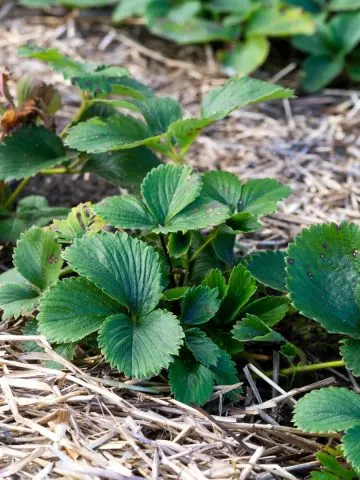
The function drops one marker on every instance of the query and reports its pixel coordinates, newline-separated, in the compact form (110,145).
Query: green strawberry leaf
(167,190)
(199,305)
(246,56)
(328,410)
(37,258)
(129,8)
(225,372)
(141,348)
(319,70)
(333,465)
(185,131)
(215,279)
(224,244)
(125,211)
(253,329)
(159,113)
(28,151)
(191,383)
(127,269)
(17,299)
(243,222)
(98,84)
(202,347)
(345,31)
(351,446)
(271,310)
(126,168)
(240,289)
(179,244)
(323,276)
(240,92)
(268,268)
(224,187)
(72,309)
(350,351)
(260,197)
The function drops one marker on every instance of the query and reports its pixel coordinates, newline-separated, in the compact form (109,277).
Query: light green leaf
(199,305)
(37,257)
(202,347)
(99,135)
(260,197)
(323,276)
(224,187)
(159,113)
(185,131)
(28,151)
(191,383)
(173,294)
(253,329)
(245,57)
(338,5)
(240,289)
(125,168)
(16,299)
(350,351)
(12,276)
(280,22)
(328,410)
(333,465)
(167,190)
(215,279)
(351,446)
(320,70)
(141,348)
(268,267)
(125,211)
(129,8)
(126,268)
(72,309)
(240,92)
(271,310)
(179,244)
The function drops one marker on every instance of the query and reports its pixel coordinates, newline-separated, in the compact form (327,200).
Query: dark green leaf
(271,310)
(159,113)
(260,197)
(125,211)
(224,187)
(268,267)
(215,279)
(253,329)
(224,244)
(202,347)
(345,30)
(199,305)
(179,244)
(319,70)
(350,351)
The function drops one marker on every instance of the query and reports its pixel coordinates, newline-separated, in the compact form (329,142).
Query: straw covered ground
(86,421)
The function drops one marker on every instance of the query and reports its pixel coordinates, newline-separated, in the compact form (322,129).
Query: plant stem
(310,368)
(168,259)
(16,192)
(55,171)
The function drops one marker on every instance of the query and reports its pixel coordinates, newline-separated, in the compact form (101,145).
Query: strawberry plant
(121,131)
(150,296)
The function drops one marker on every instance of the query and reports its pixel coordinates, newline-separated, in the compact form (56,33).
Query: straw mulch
(86,422)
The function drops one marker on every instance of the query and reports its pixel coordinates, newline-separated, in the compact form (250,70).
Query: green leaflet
(271,310)
(253,329)
(268,267)
(72,309)
(159,113)
(351,446)
(28,151)
(319,70)
(350,351)
(17,299)
(246,56)
(179,244)
(126,269)
(323,275)
(224,187)
(202,347)
(191,383)
(260,197)
(215,279)
(143,347)
(199,305)
(328,410)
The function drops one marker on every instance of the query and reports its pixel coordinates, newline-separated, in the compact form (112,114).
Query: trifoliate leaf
(141,347)
(16,299)
(240,92)
(328,410)
(179,244)
(199,305)
(323,276)
(253,329)
(240,289)
(260,197)
(215,279)
(126,268)
(125,211)
(37,257)
(167,190)
(28,151)
(125,168)
(159,113)
(351,446)
(72,309)
(271,310)
(99,135)
(81,220)
(224,187)
(268,268)
(191,383)
(202,347)
(350,351)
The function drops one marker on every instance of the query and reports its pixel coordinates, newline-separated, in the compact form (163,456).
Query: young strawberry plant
(121,131)
(323,282)
(137,292)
